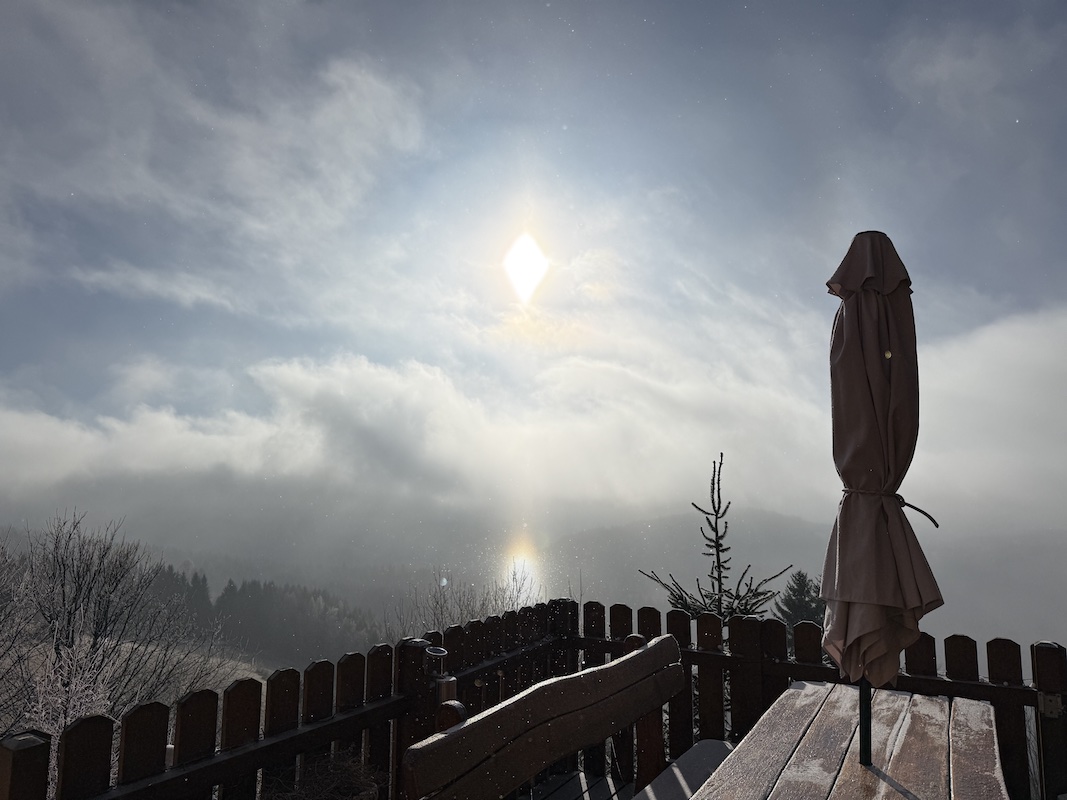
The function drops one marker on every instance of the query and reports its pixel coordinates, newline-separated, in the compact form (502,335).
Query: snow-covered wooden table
(806,746)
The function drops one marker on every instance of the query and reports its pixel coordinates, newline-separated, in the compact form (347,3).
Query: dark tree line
(286,625)
(278,625)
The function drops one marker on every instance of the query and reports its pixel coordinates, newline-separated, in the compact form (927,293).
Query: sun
(526,266)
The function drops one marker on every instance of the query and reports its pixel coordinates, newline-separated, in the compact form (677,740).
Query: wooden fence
(382,702)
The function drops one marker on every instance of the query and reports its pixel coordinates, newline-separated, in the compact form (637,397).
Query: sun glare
(526,266)
(520,561)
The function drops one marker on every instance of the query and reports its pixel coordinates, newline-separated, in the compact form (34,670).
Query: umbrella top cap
(871,264)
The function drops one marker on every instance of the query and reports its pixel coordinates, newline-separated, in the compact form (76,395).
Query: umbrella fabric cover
(876,581)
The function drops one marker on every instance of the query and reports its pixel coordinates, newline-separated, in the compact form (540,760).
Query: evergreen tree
(800,601)
(747,597)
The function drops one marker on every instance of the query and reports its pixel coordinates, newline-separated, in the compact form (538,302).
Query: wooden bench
(497,751)
(806,745)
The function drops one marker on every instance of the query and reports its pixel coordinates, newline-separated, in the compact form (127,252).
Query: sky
(252,291)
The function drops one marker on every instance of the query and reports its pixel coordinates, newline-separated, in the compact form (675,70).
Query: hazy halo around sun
(526,266)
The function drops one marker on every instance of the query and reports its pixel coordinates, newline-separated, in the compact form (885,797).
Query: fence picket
(351,669)
(455,642)
(563,622)
(412,681)
(774,645)
(746,684)
(649,622)
(961,658)
(621,626)
(24,766)
(475,697)
(620,621)
(594,626)
(1006,669)
(807,643)
(594,620)
(1049,662)
(240,726)
(84,766)
(143,742)
(194,729)
(680,707)
(281,713)
(921,657)
(711,700)
(380,686)
(511,680)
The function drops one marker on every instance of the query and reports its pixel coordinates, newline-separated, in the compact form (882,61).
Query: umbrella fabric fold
(876,581)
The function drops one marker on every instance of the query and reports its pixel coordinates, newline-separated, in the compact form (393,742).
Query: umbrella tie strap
(899,498)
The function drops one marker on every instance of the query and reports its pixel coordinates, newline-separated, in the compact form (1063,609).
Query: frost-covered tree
(95,631)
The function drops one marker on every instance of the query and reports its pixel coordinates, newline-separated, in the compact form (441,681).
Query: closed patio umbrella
(876,581)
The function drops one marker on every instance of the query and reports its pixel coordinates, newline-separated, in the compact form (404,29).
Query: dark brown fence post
(649,622)
(316,704)
(961,658)
(84,765)
(620,626)
(143,742)
(1006,669)
(651,755)
(24,766)
(807,643)
(1050,678)
(511,680)
(379,687)
(594,621)
(680,707)
(412,680)
(494,646)
(774,644)
(620,621)
(476,697)
(594,627)
(195,720)
(351,675)
(711,702)
(240,726)
(281,714)
(746,678)
(563,623)
(921,657)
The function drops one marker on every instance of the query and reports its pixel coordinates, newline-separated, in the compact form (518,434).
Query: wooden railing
(384,701)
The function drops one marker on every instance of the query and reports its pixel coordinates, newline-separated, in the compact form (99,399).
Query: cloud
(970,73)
(605,422)
(991,443)
(231,191)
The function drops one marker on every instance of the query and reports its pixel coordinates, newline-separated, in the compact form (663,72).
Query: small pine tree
(747,597)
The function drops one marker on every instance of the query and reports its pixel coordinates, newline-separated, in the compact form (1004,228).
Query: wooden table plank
(813,769)
(974,758)
(888,711)
(750,772)
(920,761)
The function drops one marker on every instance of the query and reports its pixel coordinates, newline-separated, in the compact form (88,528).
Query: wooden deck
(805,746)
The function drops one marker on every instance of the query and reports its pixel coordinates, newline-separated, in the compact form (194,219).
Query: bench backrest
(498,750)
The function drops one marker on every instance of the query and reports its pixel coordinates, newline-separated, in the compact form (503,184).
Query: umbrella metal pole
(865,722)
